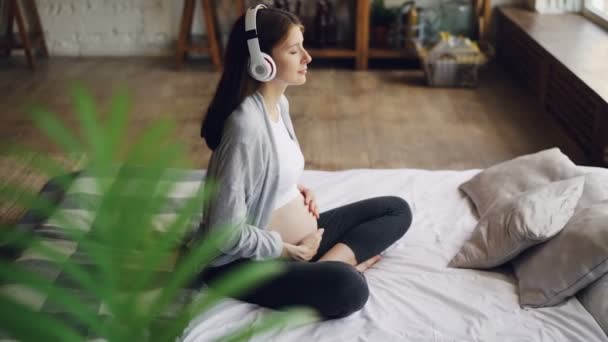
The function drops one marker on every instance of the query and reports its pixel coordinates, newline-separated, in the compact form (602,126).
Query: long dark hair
(236,84)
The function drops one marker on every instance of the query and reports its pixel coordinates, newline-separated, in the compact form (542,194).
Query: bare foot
(362,267)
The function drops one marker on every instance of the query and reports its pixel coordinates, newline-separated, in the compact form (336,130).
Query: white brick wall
(112,27)
(130,27)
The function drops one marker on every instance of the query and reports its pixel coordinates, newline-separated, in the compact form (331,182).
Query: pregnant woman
(256,165)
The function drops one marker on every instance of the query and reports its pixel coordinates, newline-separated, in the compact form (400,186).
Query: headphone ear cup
(251,70)
(271,67)
(263,72)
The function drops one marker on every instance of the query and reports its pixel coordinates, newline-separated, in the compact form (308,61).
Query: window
(597,10)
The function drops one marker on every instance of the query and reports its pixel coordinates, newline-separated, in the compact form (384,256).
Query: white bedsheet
(413,295)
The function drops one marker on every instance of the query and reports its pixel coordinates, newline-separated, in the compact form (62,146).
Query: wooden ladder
(187,43)
(29,35)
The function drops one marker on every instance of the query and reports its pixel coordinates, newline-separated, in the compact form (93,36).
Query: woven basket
(460,70)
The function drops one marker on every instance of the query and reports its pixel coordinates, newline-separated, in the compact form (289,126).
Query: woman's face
(291,58)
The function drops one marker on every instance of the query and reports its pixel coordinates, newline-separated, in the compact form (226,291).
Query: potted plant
(119,280)
(381,20)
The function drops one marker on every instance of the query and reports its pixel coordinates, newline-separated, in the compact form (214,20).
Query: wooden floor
(344,119)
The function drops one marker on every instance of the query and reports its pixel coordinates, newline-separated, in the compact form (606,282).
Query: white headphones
(261,66)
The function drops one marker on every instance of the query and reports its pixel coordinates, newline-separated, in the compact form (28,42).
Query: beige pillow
(513,225)
(508,179)
(576,257)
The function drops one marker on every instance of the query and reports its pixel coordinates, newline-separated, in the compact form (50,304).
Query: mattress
(413,295)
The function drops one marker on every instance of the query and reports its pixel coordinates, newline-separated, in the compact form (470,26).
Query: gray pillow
(507,179)
(595,296)
(595,300)
(577,256)
(513,225)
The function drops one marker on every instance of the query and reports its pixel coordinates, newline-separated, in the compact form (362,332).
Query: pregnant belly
(293,221)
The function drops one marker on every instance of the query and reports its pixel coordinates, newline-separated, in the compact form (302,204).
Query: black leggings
(335,289)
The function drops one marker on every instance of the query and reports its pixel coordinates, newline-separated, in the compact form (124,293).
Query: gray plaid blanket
(79,202)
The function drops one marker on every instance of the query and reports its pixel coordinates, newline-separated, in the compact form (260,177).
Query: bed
(413,295)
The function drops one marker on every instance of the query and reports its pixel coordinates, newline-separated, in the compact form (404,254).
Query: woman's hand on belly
(309,200)
(307,249)
(293,221)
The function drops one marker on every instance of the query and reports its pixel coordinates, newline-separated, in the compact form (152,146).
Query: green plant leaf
(243,277)
(93,132)
(17,321)
(188,267)
(56,295)
(117,121)
(118,237)
(175,233)
(55,130)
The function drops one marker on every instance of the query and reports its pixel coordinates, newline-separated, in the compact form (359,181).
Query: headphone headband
(250,18)
(261,66)
(251,34)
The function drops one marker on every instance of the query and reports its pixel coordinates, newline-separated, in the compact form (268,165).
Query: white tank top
(291,163)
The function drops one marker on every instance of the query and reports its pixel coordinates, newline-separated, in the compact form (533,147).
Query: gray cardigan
(245,170)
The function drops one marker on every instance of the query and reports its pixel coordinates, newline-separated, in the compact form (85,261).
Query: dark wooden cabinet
(558,59)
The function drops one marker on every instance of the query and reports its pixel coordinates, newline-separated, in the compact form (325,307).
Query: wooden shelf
(392,53)
(362,52)
(359,52)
